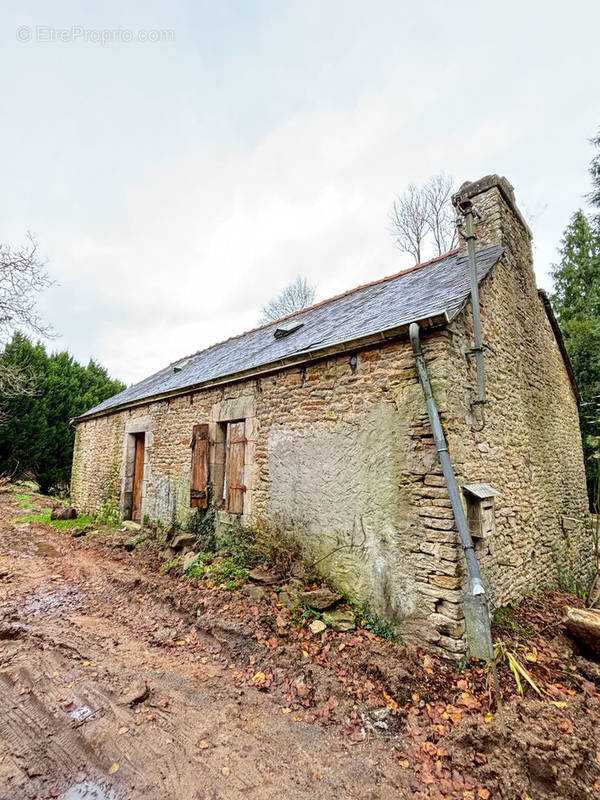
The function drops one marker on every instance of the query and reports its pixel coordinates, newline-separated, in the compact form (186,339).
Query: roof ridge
(320,303)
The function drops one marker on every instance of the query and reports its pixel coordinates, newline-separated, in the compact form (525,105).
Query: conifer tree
(36,438)
(576,301)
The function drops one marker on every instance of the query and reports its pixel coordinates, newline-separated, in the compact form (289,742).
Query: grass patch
(225,571)
(228,572)
(504,620)
(60,524)
(25,501)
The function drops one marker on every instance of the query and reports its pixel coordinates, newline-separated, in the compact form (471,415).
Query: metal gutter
(435,322)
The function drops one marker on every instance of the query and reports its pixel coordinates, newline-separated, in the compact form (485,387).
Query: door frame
(132,427)
(137,492)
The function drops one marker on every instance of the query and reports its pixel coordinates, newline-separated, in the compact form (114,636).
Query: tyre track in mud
(83,688)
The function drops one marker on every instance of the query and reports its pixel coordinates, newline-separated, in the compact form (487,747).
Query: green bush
(378,626)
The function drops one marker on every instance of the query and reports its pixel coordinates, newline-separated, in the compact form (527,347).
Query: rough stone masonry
(338,453)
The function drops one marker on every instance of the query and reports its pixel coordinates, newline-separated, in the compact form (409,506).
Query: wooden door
(199,476)
(138,477)
(234,471)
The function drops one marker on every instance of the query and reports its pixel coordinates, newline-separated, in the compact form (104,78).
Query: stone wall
(340,456)
(530,448)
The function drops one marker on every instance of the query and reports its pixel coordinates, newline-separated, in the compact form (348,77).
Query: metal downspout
(444,456)
(465,208)
(476,609)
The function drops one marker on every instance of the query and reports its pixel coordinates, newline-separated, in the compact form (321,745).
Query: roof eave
(560,342)
(297,359)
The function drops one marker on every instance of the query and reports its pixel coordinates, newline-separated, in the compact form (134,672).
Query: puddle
(60,600)
(45,549)
(81,713)
(89,790)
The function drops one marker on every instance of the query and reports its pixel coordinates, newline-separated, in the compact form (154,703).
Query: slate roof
(438,287)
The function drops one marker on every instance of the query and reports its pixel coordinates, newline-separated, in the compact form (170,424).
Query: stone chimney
(500,221)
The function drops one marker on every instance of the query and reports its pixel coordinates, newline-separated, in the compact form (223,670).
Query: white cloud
(336,114)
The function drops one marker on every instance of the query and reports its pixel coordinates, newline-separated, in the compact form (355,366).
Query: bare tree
(409,221)
(22,278)
(423,218)
(440,215)
(295,297)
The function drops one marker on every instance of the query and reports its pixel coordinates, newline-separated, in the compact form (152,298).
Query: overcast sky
(176,185)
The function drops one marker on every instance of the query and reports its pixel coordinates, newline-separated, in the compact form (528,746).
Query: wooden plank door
(199,476)
(234,472)
(138,477)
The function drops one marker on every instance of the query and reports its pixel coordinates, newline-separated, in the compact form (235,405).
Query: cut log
(584,624)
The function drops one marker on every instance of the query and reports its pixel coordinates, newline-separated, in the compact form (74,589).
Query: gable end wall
(530,449)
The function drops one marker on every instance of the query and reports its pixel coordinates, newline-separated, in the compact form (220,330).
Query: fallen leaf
(319,776)
(113,768)
(429,748)
(123,730)
(203,744)
(531,657)
(225,771)
(468,700)
(483,794)
(260,676)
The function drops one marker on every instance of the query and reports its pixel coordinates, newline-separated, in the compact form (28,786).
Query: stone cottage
(315,427)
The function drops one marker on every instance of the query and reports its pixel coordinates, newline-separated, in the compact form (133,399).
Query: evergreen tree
(576,300)
(36,437)
(594,196)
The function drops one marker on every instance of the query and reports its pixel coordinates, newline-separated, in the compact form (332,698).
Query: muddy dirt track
(120,683)
(82,692)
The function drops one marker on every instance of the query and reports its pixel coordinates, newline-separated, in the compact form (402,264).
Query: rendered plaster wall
(339,457)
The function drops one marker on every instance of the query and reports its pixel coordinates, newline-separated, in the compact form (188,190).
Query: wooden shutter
(199,477)
(236,451)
